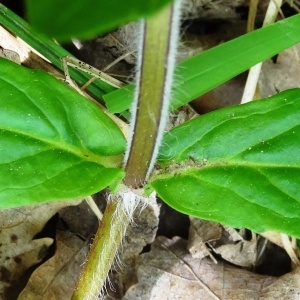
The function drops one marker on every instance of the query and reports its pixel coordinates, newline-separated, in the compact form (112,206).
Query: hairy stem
(151,104)
(103,251)
(149,117)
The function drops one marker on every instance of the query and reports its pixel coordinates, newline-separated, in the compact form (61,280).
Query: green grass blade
(48,48)
(213,67)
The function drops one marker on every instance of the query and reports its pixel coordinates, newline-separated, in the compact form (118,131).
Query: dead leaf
(28,56)
(143,230)
(274,237)
(241,254)
(201,232)
(234,249)
(282,75)
(11,55)
(169,272)
(287,287)
(56,278)
(18,249)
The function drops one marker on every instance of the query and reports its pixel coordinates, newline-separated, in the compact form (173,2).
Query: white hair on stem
(171,60)
(139,38)
(128,201)
(168,79)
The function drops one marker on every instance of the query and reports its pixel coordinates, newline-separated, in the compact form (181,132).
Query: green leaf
(54,143)
(86,19)
(239,166)
(207,70)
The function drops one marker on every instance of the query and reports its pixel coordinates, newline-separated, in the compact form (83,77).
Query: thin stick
(80,65)
(90,201)
(122,125)
(287,244)
(105,69)
(254,72)
(252,15)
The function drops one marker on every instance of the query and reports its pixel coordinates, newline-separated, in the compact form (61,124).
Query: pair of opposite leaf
(238,166)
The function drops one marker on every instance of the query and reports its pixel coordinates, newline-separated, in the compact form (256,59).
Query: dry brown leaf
(28,56)
(18,249)
(201,232)
(10,54)
(57,277)
(282,75)
(274,237)
(234,249)
(241,254)
(143,230)
(287,287)
(169,272)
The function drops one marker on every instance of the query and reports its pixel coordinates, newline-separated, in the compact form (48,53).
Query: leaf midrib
(222,124)
(60,145)
(248,199)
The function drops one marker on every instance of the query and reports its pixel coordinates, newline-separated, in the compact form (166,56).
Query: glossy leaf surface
(86,19)
(238,166)
(54,144)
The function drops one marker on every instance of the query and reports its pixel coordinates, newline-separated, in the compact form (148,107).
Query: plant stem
(151,104)
(149,117)
(103,251)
